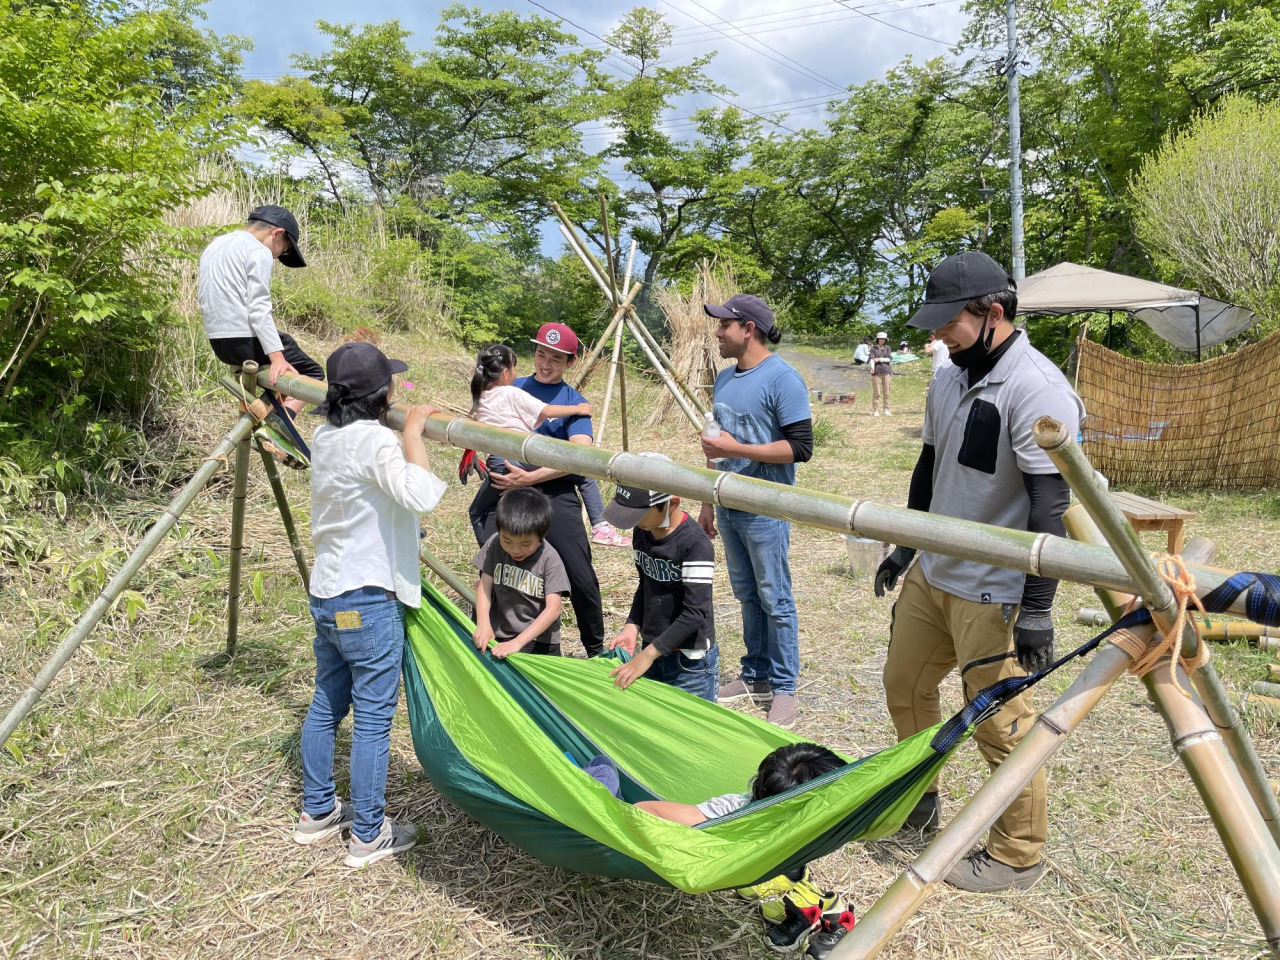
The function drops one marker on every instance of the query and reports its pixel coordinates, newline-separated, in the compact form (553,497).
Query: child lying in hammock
(780,771)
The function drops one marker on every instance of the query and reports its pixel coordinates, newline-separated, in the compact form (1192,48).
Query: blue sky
(769,53)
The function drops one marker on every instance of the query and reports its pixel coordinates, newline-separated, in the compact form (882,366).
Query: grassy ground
(147,803)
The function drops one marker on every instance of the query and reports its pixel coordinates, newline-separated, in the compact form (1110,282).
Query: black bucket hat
(280,217)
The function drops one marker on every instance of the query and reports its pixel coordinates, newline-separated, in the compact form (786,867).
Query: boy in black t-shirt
(522,579)
(671,612)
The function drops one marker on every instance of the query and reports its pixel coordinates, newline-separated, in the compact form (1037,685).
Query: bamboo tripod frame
(1212,744)
(625,320)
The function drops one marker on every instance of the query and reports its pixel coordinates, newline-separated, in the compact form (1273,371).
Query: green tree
(93,154)
(1207,206)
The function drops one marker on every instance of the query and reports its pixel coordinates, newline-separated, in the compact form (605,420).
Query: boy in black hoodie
(671,612)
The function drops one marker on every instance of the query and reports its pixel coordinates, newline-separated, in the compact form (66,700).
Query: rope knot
(1149,655)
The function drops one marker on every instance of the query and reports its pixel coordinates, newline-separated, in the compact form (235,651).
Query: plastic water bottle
(711,430)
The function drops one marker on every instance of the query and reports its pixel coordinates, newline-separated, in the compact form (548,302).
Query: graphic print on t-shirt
(743,427)
(517,578)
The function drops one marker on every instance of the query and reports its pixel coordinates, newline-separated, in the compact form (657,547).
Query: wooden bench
(1146,514)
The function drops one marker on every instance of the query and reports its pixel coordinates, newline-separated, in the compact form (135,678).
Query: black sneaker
(824,940)
(791,935)
(924,816)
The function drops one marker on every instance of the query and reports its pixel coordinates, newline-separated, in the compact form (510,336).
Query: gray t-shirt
(520,588)
(983,444)
(722,805)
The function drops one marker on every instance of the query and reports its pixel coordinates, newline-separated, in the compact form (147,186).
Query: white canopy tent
(1184,318)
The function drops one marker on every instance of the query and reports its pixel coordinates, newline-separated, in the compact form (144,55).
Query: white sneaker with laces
(392,838)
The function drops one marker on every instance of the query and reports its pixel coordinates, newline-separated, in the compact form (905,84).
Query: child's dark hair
(790,766)
(491,363)
(341,408)
(523,511)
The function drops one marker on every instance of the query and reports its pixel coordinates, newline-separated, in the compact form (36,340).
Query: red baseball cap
(558,336)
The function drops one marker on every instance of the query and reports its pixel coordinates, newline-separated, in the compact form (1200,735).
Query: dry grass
(148,802)
(693,349)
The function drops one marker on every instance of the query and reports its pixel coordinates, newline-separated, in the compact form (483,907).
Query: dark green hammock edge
(504,742)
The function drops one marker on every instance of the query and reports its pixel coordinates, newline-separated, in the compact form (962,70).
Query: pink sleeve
(526,406)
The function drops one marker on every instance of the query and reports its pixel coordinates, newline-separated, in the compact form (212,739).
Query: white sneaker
(875,413)
(314,829)
(888,413)
(392,838)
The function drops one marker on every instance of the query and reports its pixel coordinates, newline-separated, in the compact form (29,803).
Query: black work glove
(889,572)
(1033,639)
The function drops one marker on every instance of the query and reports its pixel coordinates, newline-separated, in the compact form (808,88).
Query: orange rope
(1148,655)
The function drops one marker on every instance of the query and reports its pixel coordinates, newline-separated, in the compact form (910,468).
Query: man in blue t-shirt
(555,350)
(762,406)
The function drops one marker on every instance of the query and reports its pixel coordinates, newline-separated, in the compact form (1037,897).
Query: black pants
(569,538)
(236,350)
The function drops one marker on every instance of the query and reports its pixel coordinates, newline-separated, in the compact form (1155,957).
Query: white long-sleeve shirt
(365,503)
(234,289)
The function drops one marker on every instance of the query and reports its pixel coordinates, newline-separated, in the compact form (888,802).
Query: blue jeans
(699,677)
(356,666)
(755,550)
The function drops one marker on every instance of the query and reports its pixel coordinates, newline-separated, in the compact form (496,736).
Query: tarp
(1170,311)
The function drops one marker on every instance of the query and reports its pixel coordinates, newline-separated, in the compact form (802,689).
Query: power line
(803,70)
(793,23)
(709,93)
(894,26)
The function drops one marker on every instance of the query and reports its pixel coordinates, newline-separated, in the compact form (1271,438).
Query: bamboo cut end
(1050,433)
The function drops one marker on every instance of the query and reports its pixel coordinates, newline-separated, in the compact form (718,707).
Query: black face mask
(977,351)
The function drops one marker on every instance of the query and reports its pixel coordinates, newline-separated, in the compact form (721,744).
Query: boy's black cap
(630,504)
(744,307)
(954,282)
(280,217)
(362,368)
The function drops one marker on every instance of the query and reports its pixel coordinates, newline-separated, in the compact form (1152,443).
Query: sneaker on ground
(774,887)
(739,690)
(924,816)
(831,931)
(888,413)
(792,933)
(392,838)
(314,829)
(783,710)
(875,413)
(607,535)
(980,872)
(803,894)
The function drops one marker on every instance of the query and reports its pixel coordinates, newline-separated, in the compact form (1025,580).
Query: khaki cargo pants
(934,632)
(880,390)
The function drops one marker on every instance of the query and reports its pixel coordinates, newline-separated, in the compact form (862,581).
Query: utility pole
(1015,146)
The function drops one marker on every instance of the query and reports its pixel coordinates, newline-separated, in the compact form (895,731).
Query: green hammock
(495,738)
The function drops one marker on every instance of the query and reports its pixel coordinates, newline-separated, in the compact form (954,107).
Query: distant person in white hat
(881,368)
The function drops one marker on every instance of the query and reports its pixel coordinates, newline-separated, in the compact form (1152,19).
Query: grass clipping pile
(694,352)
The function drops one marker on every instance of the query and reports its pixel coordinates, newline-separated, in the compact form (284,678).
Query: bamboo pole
(1058,443)
(896,905)
(286,515)
(72,639)
(1043,554)
(608,389)
(614,323)
(238,492)
(442,571)
(622,404)
(608,246)
(691,411)
(617,352)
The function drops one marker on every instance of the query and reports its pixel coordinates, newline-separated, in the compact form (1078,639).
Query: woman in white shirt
(367,492)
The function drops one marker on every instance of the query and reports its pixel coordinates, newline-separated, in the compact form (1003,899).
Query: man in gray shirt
(234,289)
(980,462)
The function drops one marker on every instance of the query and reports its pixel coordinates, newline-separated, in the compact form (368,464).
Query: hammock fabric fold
(496,738)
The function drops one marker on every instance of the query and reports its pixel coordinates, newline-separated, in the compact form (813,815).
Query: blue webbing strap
(286,416)
(988,701)
(1262,603)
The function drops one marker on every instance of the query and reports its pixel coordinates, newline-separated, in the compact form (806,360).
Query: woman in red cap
(555,350)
